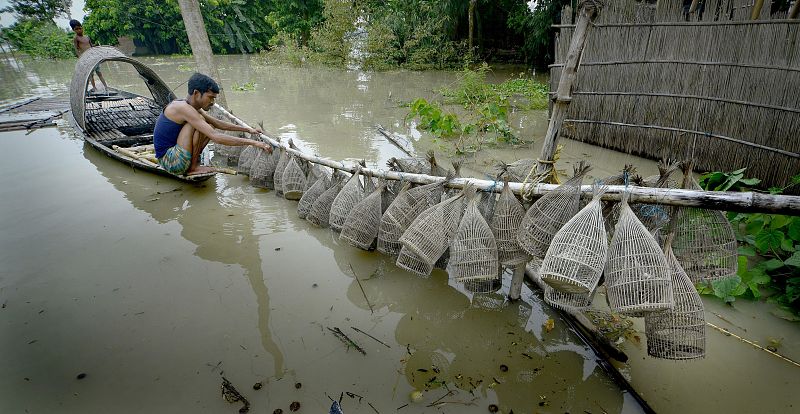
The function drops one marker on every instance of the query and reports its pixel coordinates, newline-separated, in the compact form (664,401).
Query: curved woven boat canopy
(96,55)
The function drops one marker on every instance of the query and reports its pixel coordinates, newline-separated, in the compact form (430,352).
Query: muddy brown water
(154,288)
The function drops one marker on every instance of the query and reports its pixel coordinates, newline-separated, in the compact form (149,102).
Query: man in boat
(184,128)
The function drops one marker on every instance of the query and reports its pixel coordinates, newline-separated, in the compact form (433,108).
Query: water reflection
(219,236)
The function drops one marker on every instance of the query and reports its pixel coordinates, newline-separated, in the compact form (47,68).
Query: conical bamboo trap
(311,195)
(704,243)
(246,159)
(637,274)
(402,212)
(349,196)
(429,235)
(577,255)
(506,219)
(293,180)
(259,171)
(679,333)
(473,252)
(549,213)
(319,214)
(360,229)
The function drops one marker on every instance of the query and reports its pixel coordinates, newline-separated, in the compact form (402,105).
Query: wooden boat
(120,123)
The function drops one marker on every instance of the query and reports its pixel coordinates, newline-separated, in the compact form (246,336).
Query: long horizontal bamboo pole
(685,62)
(673,129)
(717,23)
(676,95)
(714,200)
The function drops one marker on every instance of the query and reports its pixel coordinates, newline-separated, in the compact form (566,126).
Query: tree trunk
(198,39)
(471,17)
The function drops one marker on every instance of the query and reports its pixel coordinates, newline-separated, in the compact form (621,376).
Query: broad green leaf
(747,251)
(793,229)
(772,264)
(768,240)
(754,225)
(787,245)
(750,181)
(726,289)
(794,260)
(778,221)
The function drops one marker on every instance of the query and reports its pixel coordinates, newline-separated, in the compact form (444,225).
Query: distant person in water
(184,128)
(82,43)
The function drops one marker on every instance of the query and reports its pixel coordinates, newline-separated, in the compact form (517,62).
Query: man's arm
(198,121)
(75,45)
(216,123)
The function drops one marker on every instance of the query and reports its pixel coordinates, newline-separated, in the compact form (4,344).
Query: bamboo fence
(712,84)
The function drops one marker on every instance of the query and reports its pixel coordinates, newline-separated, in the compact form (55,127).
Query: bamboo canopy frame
(84,68)
(714,200)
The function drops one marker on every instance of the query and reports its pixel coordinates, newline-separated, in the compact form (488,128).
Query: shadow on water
(223,238)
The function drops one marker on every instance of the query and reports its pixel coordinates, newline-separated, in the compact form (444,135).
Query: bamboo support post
(515,291)
(795,10)
(756,12)
(693,7)
(588,11)
(745,202)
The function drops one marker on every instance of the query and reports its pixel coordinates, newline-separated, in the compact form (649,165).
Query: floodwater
(153,288)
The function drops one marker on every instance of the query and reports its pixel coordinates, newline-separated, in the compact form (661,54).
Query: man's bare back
(82,44)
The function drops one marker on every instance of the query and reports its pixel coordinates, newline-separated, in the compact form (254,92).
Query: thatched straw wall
(726,90)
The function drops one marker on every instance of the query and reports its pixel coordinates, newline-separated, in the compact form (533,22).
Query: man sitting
(184,128)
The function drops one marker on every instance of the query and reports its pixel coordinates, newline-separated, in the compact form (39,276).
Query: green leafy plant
(39,39)
(769,249)
(473,90)
(249,86)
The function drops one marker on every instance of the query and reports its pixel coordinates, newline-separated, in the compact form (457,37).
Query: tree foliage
(42,10)
(39,39)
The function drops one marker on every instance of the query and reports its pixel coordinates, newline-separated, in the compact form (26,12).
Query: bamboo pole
(515,290)
(133,155)
(714,200)
(795,10)
(756,12)
(588,12)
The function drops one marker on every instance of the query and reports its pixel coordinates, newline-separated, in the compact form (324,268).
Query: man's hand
(256,131)
(265,146)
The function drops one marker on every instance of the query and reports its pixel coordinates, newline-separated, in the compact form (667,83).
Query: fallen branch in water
(379,341)
(727,332)
(362,288)
(347,341)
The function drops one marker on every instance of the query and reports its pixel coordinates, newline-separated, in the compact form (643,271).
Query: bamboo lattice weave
(311,195)
(349,196)
(637,274)
(678,333)
(725,82)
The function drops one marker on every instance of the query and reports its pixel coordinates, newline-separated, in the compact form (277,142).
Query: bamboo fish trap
(402,212)
(704,243)
(246,159)
(349,196)
(473,252)
(576,257)
(361,226)
(283,161)
(310,196)
(678,333)
(549,213)
(319,215)
(259,171)
(637,274)
(294,179)
(506,219)
(412,262)
(430,233)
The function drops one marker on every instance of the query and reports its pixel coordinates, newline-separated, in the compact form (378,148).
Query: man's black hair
(202,83)
(74,23)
